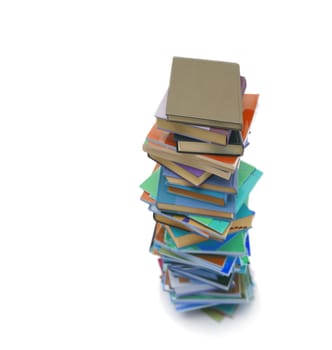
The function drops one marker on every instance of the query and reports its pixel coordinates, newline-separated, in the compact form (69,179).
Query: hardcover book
(203,133)
(205,92)
(234,147)
(236,141)
(161,143)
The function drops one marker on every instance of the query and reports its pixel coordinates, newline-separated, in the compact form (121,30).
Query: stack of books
(199,188)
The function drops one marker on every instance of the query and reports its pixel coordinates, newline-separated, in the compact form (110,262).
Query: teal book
(150,185)
(246,187)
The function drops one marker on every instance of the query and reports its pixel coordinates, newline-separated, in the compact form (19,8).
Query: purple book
(190,174)
(196,172)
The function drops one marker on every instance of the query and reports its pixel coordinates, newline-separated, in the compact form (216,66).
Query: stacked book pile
(199,188)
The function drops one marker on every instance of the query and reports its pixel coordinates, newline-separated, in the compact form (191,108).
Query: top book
(205,92)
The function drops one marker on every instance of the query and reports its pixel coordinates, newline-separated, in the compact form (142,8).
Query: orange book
(249,104)
(166,139)
(162,143)
(237,140)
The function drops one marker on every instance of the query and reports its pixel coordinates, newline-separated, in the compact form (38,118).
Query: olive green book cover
(205,92)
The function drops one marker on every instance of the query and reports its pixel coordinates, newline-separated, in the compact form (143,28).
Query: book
(189,174)
(184,286)
(235,244)
(248,181)
(205,226)
(234,146)
(239,291)
(213,182)
(201,194)
(169,202)
(186,223)
(204,133)
(237,140)
(183,238)
(154,151)
(246,187)
(162,144)
(221,264)
(205,92)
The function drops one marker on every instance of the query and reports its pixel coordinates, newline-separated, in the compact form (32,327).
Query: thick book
(237,140)
(205,92)
(234,147)
(161,143)
(203,133)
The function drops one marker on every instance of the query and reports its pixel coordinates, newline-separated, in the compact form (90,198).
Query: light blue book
(246,188)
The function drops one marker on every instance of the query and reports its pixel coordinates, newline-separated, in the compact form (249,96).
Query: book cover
(205,92)
(204,133)
(237,139)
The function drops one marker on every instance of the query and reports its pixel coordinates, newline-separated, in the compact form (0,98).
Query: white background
(79,83)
